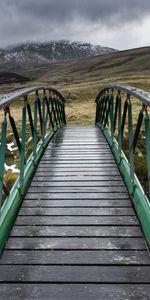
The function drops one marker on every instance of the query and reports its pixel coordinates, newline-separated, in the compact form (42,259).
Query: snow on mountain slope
(36,54)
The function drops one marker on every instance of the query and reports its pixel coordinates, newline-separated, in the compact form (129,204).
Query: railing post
(104,109)
(2,155)
(48,101)
(138,128)
(23,143)
(112,115)
(147,133)
(35,126)
(58,111)
(97,112)
(53,111)
(101,108)
(131,152)
(30,119)
(43,116)
(63,111)
(119,125)
(40,113)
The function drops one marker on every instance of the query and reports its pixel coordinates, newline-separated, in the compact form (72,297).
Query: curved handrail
(131,90)
(40,119)
(15,95)
(113,113)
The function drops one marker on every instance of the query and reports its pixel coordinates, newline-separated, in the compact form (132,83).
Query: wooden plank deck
(76,235)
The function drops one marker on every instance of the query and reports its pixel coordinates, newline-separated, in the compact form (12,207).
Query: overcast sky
(119,24)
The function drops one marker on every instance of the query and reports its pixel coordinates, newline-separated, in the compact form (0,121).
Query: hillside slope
(10,77)
(120,66)
(135,62)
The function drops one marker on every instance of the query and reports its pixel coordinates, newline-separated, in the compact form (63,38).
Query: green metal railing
(43,111)
(114,113)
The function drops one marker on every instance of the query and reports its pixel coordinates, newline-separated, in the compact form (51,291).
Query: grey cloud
(87,9)
(33,19)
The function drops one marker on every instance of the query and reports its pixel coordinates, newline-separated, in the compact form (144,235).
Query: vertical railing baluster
(116,113)
(119,124)
(105,100)
(131,153)
(51,123)
(62,115)
(63,112)
(99,104)
(23,143)
(147,133)
(43,116)
(58,110)
(14,130)
(124,118)
(40,114)
(138,128)
(101,108)
(97,112)
(35,126)
(53,111)
(106,121)
(112,115)
(30,119)
(2,155)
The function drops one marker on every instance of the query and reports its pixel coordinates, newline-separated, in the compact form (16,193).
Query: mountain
(40,54)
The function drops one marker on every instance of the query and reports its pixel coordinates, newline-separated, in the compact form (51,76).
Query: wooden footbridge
(76,223)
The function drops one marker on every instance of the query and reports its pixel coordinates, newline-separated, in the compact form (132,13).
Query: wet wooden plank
(76,203)
(77,220)
(75,257)
(76,177)
(73,231)
(74,152)
(100,211)
(111,243)
(68,172)
(103,181)
(74,291)
(89,152)
(79,164)
(93,274)
(79,189)
(75,182)
(94,147)
(78,159)
(75,195)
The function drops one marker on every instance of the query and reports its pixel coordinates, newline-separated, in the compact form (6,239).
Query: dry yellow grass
(80,113)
